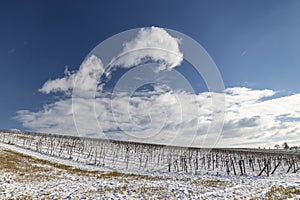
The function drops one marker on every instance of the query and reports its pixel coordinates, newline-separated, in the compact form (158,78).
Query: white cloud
(53,118)
(161,116)
(58,85)
(84,80)
(253,117)
(153,44)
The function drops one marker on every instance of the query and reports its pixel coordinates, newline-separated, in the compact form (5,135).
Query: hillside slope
(31,175)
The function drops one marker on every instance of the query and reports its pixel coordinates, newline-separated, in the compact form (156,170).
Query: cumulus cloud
(160,115)
(85,79)
(154,44)
(58,85)
(261,120)
(166,119)
(53,118)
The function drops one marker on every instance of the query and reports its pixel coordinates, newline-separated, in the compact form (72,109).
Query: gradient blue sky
(254,43)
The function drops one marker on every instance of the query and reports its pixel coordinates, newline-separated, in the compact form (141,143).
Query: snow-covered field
(26,174)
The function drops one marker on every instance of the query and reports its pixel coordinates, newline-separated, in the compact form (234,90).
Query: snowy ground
(25,174)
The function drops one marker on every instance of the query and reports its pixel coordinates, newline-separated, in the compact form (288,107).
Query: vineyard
(140,157)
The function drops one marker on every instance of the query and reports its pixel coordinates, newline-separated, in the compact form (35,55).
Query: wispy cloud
(12,50)
(243,53)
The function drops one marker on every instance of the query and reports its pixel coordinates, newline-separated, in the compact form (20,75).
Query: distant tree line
(285,146)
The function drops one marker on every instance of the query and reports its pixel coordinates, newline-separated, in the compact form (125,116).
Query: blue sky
(255,44)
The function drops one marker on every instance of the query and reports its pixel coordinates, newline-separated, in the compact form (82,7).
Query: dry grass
(142,191)
(115,174)
(280,192)
(27,168)
(212,183)
(215,183)
(23,167)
